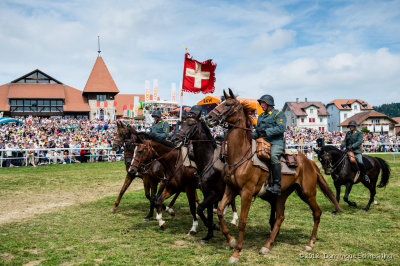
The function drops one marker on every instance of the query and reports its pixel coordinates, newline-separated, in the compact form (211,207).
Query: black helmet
(196,110)
(156,113)
(352,123)
(268,99)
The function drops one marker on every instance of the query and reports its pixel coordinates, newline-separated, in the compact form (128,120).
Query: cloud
(268,42)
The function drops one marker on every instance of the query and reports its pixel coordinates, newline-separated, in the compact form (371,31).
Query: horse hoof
(233,260)
(112,210)
(264,251)
(232,243)
(334,212)
(145,220)
(353,204)
(163,226)
(376,202)
(233,225)
(171,212)
(216,227)
(307,248)
(365,209)
(192,233)
(204,241)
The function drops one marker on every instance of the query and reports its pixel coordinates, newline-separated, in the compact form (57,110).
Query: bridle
(336,165)
(221,117)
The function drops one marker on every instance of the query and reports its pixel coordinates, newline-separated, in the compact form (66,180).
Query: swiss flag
(198,76)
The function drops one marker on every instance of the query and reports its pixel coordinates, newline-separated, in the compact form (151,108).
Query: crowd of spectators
(57,140)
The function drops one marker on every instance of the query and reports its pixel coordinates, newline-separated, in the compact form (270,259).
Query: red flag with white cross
(198,76)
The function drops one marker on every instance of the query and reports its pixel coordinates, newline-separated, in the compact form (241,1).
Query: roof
(299,107)
(345,104)
(100,79)
(361,117)
(4,98)
(74,100)
(34,90)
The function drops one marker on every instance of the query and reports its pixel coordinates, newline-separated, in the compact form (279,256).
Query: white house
(341,109)
(373,121)
(306,115)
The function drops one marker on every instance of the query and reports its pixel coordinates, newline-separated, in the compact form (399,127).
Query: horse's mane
(248,112)
(156,139)
(330,148)
(208,132)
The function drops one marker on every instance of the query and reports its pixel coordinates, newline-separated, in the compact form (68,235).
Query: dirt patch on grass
(22,206)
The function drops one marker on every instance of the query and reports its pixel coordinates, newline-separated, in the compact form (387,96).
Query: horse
(337,164)
(196,133)
(178,178)
(125,137)
(244,179)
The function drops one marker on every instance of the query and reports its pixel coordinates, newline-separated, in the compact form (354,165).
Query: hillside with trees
(389,109)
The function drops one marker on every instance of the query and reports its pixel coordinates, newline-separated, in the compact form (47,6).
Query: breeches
(276,152)
(359,158)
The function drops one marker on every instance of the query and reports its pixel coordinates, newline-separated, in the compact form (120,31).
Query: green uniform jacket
(271,127)
(159,130)
(354,139)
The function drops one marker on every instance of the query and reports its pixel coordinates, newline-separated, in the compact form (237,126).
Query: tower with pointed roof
(100,90)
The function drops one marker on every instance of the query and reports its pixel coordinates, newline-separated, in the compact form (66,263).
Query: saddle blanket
(186,161)
(219,165)
(286,170)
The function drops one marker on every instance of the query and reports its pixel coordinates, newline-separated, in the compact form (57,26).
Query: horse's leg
(280,216)
(310,199)
(372,191)
(235,216)
(191,196)
(228,197)
(244,212)
(337,187)
(150,189)
(272,216)
(346,195)
(169,207)
(128,181)
(208,203)
(165,194)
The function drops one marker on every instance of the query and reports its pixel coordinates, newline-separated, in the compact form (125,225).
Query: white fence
(56,155)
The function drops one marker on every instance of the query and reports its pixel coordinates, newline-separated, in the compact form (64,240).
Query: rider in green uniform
(160,128)
(271,126)
(352,142)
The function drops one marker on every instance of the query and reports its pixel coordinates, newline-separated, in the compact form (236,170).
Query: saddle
(187,162)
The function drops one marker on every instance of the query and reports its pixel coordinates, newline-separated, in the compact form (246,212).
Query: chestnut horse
(125,137)
(246,180)
(196,133)
(178,177)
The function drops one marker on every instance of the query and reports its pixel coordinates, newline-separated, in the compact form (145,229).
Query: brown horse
(125,137)
(246,180)
(178,177)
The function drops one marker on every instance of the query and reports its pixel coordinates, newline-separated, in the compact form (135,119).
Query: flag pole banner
(198,76)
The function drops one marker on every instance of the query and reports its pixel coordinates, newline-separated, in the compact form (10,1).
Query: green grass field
(87,233)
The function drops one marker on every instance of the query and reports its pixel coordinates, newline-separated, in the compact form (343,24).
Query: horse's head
(124,134)
(189,130)
(226,112)
(142,155)
(328,156)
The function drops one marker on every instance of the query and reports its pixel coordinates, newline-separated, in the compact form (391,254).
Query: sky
(319,50)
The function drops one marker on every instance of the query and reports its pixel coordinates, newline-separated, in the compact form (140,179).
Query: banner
(370,128)
(385,128)
(173,92)
(155,85)
(136,105)
(105,111)
(378,128)
(98,110)
(147,93)
(198,76)
(125,110)
(115,111)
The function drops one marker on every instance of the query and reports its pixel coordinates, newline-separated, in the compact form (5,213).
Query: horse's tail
(385,172)
(323,185)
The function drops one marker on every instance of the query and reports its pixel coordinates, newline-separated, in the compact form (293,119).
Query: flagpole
(181,96)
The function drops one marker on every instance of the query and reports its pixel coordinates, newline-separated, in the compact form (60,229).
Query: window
(302,120)
(311,120)
(101,97)
(344,116)
(41,105)
(311,110)
(321,120)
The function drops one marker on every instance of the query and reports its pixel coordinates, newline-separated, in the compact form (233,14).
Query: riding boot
(363,172)
(276,179)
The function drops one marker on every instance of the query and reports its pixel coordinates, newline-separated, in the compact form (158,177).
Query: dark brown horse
(125,137)
(196,133)
(246,180)
(178,177)
(337,164)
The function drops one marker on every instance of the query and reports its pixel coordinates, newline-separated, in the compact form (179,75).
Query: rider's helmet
(268,99)
(156,113)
